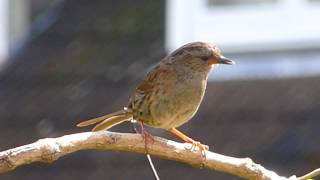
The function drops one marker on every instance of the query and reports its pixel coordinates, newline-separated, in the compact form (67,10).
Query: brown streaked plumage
(171,93)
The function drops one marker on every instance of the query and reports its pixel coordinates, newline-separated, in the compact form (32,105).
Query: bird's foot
(202,147)
(147,137)
(197,144)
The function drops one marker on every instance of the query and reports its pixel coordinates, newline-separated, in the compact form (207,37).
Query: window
(239,2)
(251,29)
(244,25)
(14,26)
(16,17)
(3,31)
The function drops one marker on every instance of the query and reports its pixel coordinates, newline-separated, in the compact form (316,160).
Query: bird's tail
(108,121)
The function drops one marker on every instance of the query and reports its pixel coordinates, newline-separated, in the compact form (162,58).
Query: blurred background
(63,61)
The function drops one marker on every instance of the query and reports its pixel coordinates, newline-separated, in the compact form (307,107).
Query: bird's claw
(197,144)
(202,147)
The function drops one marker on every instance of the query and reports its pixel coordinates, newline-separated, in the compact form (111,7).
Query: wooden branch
(50,149)
(310,175)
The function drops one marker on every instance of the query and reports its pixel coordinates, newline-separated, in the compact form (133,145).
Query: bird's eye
(205,58)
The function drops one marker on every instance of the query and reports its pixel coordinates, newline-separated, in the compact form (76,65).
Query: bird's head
(199,56)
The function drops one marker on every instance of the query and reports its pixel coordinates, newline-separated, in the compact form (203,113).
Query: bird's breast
(176,101)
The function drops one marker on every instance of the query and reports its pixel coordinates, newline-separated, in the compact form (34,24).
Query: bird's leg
(146,136)
(194,143)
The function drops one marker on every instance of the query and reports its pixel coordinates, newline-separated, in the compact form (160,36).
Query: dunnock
(171,93)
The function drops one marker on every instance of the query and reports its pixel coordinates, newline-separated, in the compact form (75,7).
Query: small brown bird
(171,93)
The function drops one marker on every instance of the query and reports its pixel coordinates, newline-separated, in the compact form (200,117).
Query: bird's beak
(224,60)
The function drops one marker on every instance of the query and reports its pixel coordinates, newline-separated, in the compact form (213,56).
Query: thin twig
(155,173)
